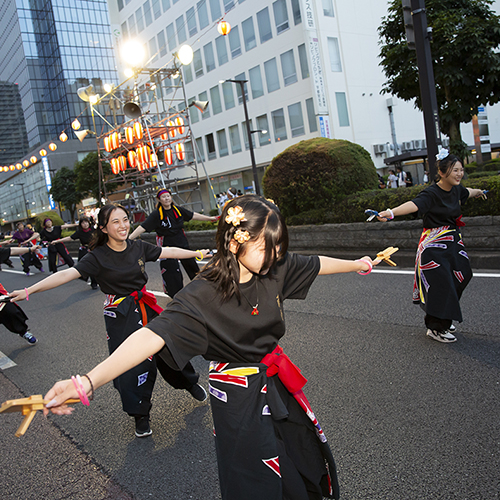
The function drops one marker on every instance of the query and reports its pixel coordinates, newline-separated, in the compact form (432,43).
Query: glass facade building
(51,48)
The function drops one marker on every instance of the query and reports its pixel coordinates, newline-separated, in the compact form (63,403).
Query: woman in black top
(52,234)
(118,265)
(167,220)
(442,267)
(84,233)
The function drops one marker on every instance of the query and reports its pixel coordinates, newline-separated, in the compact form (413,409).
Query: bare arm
(22,250)
(139,346)
(406,208)
(197,216)
(65,226)
(476,193)
(48,283)
(329,265)
(34,236)
(137,232)
(61,240)
(181,253)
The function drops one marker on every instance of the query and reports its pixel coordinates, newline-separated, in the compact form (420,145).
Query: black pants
(171,274)
(13,318)
(438,324)
(59,248)
(30,259)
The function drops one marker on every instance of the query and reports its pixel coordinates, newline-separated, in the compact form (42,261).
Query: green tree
(316,173)
(466,61)
(64,189)
(87,172)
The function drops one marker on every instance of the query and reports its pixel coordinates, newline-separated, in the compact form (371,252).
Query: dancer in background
(52,235)
(442,267)
(268,441)
(167,220)
(118,265)
(25,237)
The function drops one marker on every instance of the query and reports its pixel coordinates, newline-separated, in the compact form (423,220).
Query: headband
(161,191)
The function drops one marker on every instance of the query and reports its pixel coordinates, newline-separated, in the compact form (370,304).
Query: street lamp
(24,197)
(241,83)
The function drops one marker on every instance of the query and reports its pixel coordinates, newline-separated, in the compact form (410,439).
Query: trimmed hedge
(54,216)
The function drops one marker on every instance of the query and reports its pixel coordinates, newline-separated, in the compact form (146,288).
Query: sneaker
(30,338)
(42,270)
(443,336)
(94,286)
(28,273)
(452,328)
(142,428)
(198,392)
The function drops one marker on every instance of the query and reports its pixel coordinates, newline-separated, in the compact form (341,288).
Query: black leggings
(438,324)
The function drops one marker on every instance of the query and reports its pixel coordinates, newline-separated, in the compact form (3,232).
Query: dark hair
(84,219)
(99,238)
(262,219)
(445,165)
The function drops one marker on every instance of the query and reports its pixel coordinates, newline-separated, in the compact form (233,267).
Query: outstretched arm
(61,240)
(23,250)
(329,265)
(139,346)
(137,232)
(182,253)
(34,236)
(406,208)
(48,283)
(197,216)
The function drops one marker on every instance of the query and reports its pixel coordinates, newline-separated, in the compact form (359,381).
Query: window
(278,118)
(263,124)
(188,73)
(153,49)
(181,29)
(288,68)
(197,63)
(311,116)
(191,22)
(209,138)
(120,4)
(156,8)
(131,25)
(200,148)
(124,30)
(204,97)
(333,49)
(202,14)
(215,100)
(297,18)
(280,16)
(228,5)
(256,82)
(139,20)
(234,139)
(194,114)
(272,78)
(304,66)
(208,52)
(241,76)
(264,24)
(228,94)
(172,44)
(165,5)
(221,47)
(215,10)
(296,119)
(222,140)
(162,44)
(328,8)
(342,109)
(245,134)
(148,18)
(234,42)
(248,34)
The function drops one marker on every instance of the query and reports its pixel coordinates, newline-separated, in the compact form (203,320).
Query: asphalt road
(407,418)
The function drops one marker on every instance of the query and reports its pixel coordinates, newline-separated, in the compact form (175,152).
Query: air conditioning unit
(380,149)
(420,144)
(408,146)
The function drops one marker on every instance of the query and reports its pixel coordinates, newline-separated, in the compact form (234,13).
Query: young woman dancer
(167,220)
(24,237)
(442,267)
(52,234)
(269,443)
(118,265)
(84,233)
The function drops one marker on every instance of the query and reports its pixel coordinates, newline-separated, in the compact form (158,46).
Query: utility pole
(419,37)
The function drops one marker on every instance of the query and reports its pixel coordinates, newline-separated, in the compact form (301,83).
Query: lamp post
(241,83)
(24,197)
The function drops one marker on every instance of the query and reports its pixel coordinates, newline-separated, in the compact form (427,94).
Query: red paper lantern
(180,125)
(75,125)
(180,151)
(26,163)
(171,128)
(168,156)
(138,131)
(115,140)
(153,159)
(19,166)
(224,28)
(12,167)
(63,137)
(140,155)
(33,159)
(43,152)
(107,143)
(132,159)
(122,162)
(129,135)
(114,166)
(52,146)
(164,137)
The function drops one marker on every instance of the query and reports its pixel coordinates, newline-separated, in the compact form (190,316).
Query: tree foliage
(64,189)
(465,39)
(316,173)
(87,172)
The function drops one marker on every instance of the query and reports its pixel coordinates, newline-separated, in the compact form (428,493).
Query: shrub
(199,225)
(317,173)
(54,216)
(492,165)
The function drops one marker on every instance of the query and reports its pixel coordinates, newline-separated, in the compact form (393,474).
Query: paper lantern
(52,146)
(180,125)
(164,137)
(19,166)
(138,131)
(26,163)
(122,161)
(75,125)
(153,159)
(129,135)
(33,159)
(224,28)
(63,137)
(168,156)
(140,155)
(132,159)
(141,166)
(115,140)
(43,152)
(114,166)
(171,128)
(107,144)
(12,167)
(179,150)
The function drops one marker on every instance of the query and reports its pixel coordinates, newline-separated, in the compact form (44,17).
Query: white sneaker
(443,336)
(452,328)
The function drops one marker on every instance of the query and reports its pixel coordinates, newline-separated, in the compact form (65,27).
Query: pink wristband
(27,294)
(77,382)
(364,273)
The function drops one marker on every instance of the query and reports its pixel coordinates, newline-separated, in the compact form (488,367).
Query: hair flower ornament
(241,236)
(443,153)
(235,216)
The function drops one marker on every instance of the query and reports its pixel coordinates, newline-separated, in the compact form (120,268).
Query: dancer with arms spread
(269,444)
(118,265)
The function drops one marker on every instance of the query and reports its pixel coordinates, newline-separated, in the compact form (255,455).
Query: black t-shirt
(119,273)
(170,225)
(197,323)
(439,207)
(4,255)
(83,236)
(55,234)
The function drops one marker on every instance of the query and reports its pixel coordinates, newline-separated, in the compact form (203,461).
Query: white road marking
(5,361)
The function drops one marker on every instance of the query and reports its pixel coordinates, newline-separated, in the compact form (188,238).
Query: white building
(312,68)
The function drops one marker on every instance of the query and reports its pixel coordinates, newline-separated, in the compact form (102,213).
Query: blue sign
(48,181)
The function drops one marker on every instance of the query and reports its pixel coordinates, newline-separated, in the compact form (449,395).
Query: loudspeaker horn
(81,134)
(201,105)
(84,93)
(132,110)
